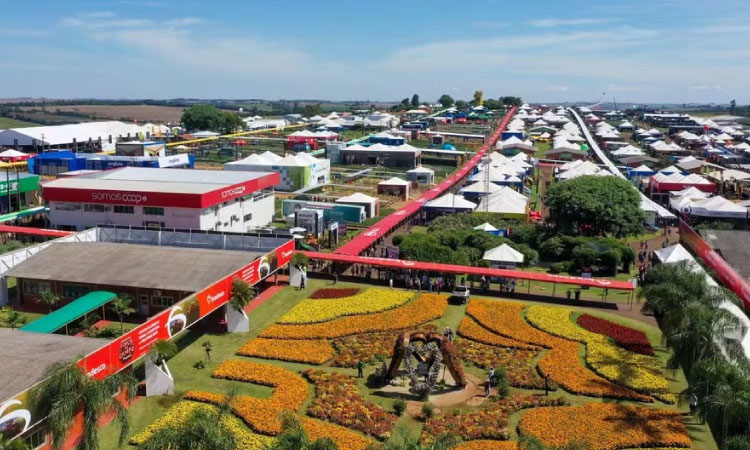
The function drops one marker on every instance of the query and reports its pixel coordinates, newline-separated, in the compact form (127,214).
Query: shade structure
(452,202)
(70,312)
(678,182)
(506,202)
(485,227)
(504,254)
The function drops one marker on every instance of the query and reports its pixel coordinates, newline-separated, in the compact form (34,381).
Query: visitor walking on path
(487,388)
(360,367)
(546,385)
(335,278)
(693,404)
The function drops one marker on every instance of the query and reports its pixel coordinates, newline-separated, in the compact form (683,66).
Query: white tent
(452,202)
(480,188)
(506,201)
(485,227)
(504,254)
(716,207)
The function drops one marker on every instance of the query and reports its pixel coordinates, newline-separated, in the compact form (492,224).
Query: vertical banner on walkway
(723,269)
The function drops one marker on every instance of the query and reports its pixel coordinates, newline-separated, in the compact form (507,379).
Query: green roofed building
(18,191)
(71,312)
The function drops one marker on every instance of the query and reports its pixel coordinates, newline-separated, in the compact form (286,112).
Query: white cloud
(549,23)
(557,88)
(184,21)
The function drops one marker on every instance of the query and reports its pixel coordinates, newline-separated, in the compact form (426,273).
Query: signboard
(179,160)
(21,184)
(723,269)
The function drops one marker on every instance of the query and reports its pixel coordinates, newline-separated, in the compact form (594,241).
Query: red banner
(723,269)
(136,343)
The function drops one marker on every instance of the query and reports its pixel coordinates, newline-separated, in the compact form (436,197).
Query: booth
(504,257)
(396,187)
(421,175)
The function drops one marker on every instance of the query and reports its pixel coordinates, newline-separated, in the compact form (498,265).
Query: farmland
(141,113)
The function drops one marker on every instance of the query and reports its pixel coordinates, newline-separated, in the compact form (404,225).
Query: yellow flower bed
(560,363)
(303,351)
(634,370)
(345,439)
(605,426)
(425,308)
(261,415)
(323,310)
(178,413)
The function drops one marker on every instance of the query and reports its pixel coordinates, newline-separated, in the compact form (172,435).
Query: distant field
(6,122)
(141,113)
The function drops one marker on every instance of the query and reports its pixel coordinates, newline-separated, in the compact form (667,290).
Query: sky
(655,51)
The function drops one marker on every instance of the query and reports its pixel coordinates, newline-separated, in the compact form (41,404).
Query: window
(121,209)
(153,211)
(35,287)
(74,290)
(161,302)
(67,206)
(36,439)
(248,217)
(91,207)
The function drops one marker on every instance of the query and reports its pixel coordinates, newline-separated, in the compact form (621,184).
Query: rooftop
(146,266)
(733,246)
(25,355)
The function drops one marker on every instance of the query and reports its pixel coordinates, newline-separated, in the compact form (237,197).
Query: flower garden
(305,356)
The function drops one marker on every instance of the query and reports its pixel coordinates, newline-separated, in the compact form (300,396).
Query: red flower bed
(338,400)
(625,337)
(334,293)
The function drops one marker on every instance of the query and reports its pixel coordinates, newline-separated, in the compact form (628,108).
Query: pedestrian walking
(302,281)
(546,385)
(419,286)
(487,388)
(335,277)
(390,282)
(360,369)
(693,404)
(492,373)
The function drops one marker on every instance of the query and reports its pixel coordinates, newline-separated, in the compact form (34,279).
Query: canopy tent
(729,175)
(451,202)
(13,156)
(485,227)
(506,202)
(480,188)
(715,207)
(642,170)
(676,182)
(70,312)
(504,255)
(670,170)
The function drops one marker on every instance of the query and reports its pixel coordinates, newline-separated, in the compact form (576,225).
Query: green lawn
(541,149)
(145,411)
(7,122)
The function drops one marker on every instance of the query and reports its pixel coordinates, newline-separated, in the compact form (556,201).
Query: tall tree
(66,389)
(593,206)
(446,100)
(123,306)
(478,98)
(415,100)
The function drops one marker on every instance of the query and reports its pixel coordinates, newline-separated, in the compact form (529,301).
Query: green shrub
(428,410)
(399,406)
(552,249)
(501,382)
(737,443)
(397,239)
(560,267)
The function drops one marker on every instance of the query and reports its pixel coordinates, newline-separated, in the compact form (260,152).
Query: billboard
(15,415)
(723,269)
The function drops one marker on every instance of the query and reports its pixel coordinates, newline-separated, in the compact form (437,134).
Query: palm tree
(14,319)
(730,403)
(161,350)
(203,429)
(122,307)
(294,437)
(50,299)
(300,260)
(66,389)
(242,294)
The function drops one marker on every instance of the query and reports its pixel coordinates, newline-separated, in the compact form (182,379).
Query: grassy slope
(147,410)
(7,122)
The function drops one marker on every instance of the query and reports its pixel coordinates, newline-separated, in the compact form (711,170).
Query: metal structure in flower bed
(432,349)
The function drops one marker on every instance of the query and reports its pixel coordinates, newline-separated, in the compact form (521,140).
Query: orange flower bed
(561,363)
(303,351)
(472,330)
(564,368)
(487,445)
(425,308)
(344,439)
(504,318)
(606,426)
(261,415)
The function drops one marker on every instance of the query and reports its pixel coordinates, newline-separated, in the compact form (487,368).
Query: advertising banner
(724,271)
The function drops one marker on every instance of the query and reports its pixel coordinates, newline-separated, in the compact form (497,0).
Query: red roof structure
(471,270)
